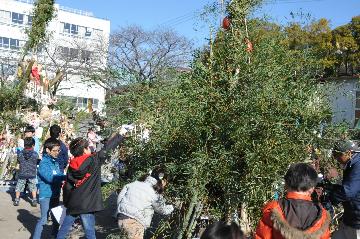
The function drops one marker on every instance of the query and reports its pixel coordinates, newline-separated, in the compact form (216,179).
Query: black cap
(342,146)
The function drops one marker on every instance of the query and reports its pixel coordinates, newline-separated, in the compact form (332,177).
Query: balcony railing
(66,9)
(26,1)
(76,11)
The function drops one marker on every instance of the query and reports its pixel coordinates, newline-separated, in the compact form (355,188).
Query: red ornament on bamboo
(226,23)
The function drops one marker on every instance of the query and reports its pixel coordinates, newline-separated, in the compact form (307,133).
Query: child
(28,161)
(30,132)
(137,202)
(295,216)
(221,230)
(82,190)
(50,178)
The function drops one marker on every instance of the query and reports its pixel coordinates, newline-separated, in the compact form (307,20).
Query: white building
(76,35)
(344,97)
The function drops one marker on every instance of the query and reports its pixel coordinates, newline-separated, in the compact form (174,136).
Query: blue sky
(182,15)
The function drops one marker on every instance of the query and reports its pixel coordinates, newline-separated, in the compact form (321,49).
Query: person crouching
(138,201)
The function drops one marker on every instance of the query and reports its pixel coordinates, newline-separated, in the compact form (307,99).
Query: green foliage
(12,102)
(334,48)
(42,15)
(80,117)
(67,106)
(228,130)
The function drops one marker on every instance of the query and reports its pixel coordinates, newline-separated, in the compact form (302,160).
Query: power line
(192,15)
(278,2)
(179,19)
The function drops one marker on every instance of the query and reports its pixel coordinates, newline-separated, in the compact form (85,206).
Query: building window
(17,18)
(85,56)
(65,51)
(86,102)
(69,52)
(5,15)
(95,104)
(74,29)
(30,18)
(70,28)
(88,32)
(5,42)
(66,27)
(79,102)
(74,53)
(98,32)
(14,44)
(82,102)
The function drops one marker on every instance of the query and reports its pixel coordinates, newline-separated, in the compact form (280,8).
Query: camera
(322,194)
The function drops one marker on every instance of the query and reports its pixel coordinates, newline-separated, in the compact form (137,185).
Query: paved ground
(19,222)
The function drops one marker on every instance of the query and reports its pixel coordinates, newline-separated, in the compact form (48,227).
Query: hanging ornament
(226,23)
(35,74)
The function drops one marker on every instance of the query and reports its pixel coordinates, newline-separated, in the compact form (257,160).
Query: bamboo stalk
(188,216)
(196,214)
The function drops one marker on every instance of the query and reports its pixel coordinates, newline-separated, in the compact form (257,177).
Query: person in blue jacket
(347,154)
(50,179)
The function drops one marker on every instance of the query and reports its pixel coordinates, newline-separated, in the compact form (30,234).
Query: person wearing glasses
(63,157)
(50,178)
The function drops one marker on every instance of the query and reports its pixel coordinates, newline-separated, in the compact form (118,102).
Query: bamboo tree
(228,130)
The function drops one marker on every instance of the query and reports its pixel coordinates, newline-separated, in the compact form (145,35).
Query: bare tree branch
(146,55)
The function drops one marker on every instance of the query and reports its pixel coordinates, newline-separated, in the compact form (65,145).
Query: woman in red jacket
(295,216)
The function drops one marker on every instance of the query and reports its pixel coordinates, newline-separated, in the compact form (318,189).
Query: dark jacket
(349,192)
(28,162)
(50,177)
(63,157)
(82,190)
(294,217)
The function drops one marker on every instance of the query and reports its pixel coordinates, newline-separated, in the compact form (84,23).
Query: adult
(138,201)
(295,216)
(50,179)
(348,193)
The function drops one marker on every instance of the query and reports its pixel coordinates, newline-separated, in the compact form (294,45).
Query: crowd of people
(75,172)
(49,172)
